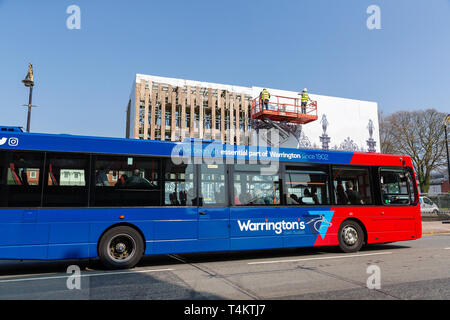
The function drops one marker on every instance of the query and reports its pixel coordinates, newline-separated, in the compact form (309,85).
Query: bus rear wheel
(351,236)
(121,248)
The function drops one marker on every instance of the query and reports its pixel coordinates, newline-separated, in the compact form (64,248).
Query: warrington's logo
(277,227)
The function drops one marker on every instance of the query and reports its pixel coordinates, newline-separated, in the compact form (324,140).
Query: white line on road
(322,258)
(447,248)
(84,275)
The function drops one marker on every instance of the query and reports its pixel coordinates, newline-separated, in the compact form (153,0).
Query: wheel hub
(122,247)
(350,235)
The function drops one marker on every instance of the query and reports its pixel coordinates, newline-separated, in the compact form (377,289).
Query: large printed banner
(343,124)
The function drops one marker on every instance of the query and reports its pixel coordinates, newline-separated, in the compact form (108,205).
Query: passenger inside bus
(173,199)
(314,195)
(354,197)
(307,197)
(102,178)
(306,193)
(121,181)
(340,194)
(182,197)
(137,181)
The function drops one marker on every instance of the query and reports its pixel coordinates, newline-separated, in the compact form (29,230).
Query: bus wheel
(121,248)
(351,236)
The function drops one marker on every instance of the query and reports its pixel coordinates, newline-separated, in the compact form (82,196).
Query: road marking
(322,258)
(447,248)
(84,275)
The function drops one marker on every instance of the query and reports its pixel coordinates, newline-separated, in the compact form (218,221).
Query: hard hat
(305,89)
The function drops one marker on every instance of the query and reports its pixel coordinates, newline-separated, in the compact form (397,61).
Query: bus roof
(19,140)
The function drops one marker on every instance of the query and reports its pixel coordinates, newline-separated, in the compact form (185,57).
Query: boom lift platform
(284,109)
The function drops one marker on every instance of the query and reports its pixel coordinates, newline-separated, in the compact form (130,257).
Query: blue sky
(83,77)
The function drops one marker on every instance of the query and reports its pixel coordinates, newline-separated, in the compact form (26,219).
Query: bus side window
(120,181)
(413,196)
(306,185)
(251,187)
(20,179)
(352,185)
(67,180)
(180,188)
(212,185)
(395,188)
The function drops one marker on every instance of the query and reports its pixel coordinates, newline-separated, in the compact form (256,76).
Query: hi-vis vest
(265,95)
(305,97)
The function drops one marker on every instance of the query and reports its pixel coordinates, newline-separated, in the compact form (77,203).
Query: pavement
(435,227)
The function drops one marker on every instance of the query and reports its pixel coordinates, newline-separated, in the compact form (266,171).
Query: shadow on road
(163,285)
(16,267)
(266,253)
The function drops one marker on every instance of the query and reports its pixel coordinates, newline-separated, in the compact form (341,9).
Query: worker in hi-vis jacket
(304,99)
(264,96)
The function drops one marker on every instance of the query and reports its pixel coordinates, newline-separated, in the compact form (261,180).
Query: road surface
(418,269)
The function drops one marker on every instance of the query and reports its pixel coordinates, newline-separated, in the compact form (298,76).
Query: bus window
(306,185)
(67,180)
(251,187)
(126,181)
(352,186)
(20,179)
(395,188)
(179,186)
(212,185)
(413,196)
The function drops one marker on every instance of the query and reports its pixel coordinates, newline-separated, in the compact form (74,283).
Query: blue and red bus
(77,197)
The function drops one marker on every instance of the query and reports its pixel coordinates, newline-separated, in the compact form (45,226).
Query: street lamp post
(446,121)
(29,82)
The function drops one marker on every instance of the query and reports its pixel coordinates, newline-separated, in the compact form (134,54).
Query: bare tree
(418,134)
(386,141)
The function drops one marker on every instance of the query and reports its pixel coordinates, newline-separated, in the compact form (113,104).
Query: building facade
(161,108)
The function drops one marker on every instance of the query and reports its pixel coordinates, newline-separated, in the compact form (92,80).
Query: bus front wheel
(121,248)
(351,236)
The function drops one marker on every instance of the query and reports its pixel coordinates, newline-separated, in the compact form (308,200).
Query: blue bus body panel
(64,233)
(74,233)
